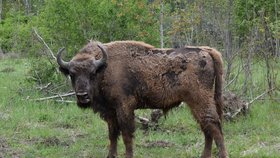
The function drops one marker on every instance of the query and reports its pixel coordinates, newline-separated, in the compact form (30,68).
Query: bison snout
(83,97)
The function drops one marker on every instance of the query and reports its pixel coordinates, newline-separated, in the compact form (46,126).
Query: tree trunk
(27,6)
(1,7)
(277,43)
(228,39)
(248,81)
(161,24)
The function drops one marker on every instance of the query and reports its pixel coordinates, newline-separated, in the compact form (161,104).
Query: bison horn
(101,61)
(60,62)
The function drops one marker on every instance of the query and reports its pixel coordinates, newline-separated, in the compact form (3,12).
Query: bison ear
(64,71)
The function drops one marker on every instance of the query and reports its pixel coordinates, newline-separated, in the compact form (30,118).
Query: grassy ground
(49,129)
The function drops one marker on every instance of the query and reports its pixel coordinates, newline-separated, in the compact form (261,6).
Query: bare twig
(53,90)
(143,119)
(38,77)
(65,101)
(238,111)
(44,87)
(276,99)
(61,98)
(235,77)
(55,96)
(42,40)
(258,97)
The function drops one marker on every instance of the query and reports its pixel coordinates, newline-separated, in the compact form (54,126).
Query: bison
(116,78)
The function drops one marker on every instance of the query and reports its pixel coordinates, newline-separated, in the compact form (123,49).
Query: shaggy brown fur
(137,75)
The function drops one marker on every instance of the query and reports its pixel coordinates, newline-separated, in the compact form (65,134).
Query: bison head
(83,73)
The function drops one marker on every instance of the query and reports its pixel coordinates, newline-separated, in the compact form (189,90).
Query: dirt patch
(4,116)
(64,125)
(260,146)
(6,150)
(277,147)
(8,70)
(54,141)
(1,54)
(10,55)
(162,144)
(4,147)
(173,130)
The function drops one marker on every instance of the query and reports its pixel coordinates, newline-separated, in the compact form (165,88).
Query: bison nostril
(82,97)
(82,94)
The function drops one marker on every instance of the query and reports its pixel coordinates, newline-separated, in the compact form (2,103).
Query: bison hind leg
(208,144)
(212,130)
(207,116)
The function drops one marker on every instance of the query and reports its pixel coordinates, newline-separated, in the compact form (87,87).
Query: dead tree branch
(44,87)
(142,119)
(247,105)
(55,96)
(43,41)
(258,97)
(65,101)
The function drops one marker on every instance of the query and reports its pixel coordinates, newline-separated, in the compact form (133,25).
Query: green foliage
(15,38)
(183,26)
(43,71)
(275,27)
(70,24)
(249,13)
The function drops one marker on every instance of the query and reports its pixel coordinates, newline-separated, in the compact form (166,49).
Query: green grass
(48,129)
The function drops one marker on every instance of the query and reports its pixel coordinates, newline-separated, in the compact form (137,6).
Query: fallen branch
(236,112)
(142,119)
(258,97)
(55,96)
(42,40)
(273,99)
(228,114)
(65,101)
(144,122)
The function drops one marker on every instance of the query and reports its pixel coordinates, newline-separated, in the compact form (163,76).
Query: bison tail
(218,69)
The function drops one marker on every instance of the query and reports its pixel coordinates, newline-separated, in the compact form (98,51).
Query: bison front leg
(127,127)
(114,133)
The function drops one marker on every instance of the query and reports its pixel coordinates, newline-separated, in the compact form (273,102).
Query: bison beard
(116,78)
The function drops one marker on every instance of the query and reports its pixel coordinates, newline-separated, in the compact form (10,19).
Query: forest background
(246,32)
